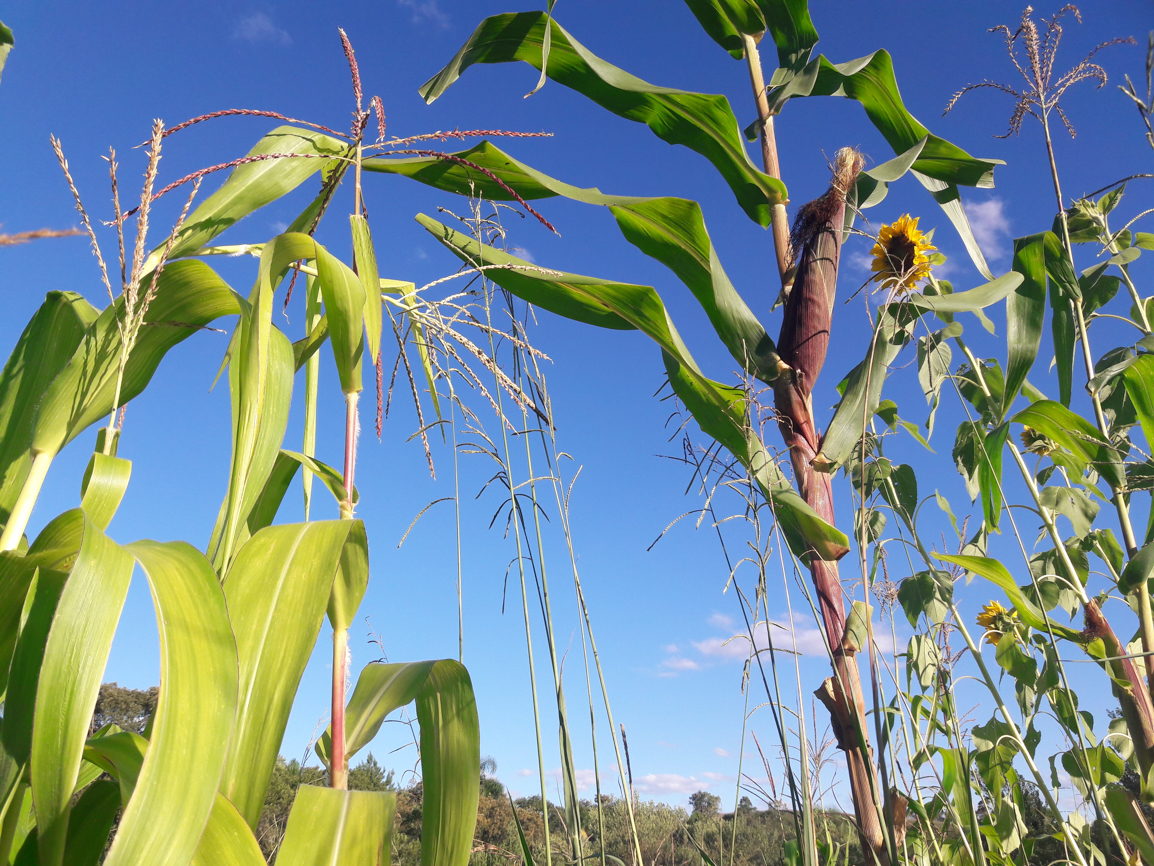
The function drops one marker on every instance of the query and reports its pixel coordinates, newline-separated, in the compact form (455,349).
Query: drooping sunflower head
(901,255)
(997,621)
(1037,443)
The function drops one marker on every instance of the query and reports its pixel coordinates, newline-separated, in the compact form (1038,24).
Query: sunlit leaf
(329,826)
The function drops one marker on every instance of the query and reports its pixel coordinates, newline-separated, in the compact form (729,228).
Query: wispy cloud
(678,663)
(258,27)
(670,648)
(670,783)
(720,620)
(721,753)
(523,253)
(990,225)
(804,637)
(425,11)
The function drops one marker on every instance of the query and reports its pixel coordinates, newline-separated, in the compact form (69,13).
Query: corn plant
(942,795)
(238,621)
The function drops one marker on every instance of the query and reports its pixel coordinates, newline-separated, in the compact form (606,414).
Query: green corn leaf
(6,43)
(990,474)
(306,347)
(189,296)
(194,716)
(1025,312)
(1138,570)
(28,660)
(352,578)
(792,30)
(121,755)
(1139,381)
(101,491)
(996,573)
(366,260)
(719,409)
(91,821)
(277,590)
(329,475)
(673,231)
(726,20)
(255,184)
(1128,814)
(1062,332)
(344,298)
(261,397)
(450,746)
(227,839)
(54,550)
(1077,436)
(940,166)
(704,123)
(328,826)
(47,344)
(969,301)
(75,655)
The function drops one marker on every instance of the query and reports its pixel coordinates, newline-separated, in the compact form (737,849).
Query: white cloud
(990,226)
(523,253)
(280,227)
(419,254)
(524,772)
(721,753)
(670,648)
(804,637)
(425,10)
(258,27)
(860,260)
(680,664)
(720,620)
(716,777)
(669,783)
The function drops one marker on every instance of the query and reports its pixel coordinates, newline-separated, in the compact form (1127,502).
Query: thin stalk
(780,220)
(1145,615)
(22,510)
(457,518)
(338,761)
(312,385)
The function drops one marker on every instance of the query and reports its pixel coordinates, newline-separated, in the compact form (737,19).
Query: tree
(128,709)
(368,775)
(705,804)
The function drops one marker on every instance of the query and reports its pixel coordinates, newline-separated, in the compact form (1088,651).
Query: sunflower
(1037,443)
(901,255)
(997,621)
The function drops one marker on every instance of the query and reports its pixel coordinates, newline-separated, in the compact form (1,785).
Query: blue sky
(96,74)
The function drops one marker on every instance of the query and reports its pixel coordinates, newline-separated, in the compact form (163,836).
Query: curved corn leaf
(996,573)
(352,578)
(792,30)
(75,655)
(345,306)
(194,715)
(189,295)
(365,258)
(1077,436)
(1139,381)
(726,20)
(671,230)
(260,418)
(328,826)
(90,823)
(969,301)
(54,550)
(121,755)
(1129,816)
(450,746)
(101,491)
(1138,570)
(1025,313)
(329,475)
(227,839)
(940,166)
(47,344)
(255,184)
(702,122)
(990,474)
(277,590)
(870,80)
(719,409)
